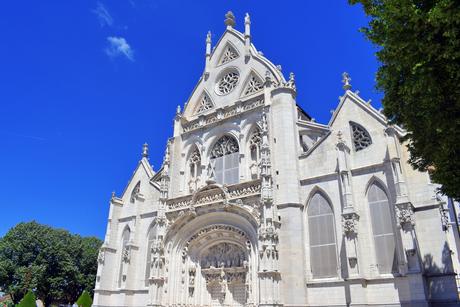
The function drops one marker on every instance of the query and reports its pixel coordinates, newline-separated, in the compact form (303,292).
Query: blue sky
(83,84)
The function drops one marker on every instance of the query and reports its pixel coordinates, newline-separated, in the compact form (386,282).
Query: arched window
(135,192)
(151,241)
(382,228)
(225,160)
(361,138)
(125,256)
(254,147)
(194,164)
(323,246)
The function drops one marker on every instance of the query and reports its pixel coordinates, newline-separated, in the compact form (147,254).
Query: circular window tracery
(227,83)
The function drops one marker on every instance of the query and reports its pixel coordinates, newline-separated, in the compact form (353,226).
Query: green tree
(57,264)
(28,300)
(419,51)
(84,300)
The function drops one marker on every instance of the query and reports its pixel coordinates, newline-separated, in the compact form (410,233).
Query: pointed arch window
(204,104)
(254,147)
(323,246)
(135,192)
(253,85)
(382,228)
(151,241)
(228,55)
(194,164)
(225,160)
(125,257)
(361,138)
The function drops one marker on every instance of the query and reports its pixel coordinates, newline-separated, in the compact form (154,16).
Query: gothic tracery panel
(361,138)
(227,83)
(254,85)
(228,55)
(205,104)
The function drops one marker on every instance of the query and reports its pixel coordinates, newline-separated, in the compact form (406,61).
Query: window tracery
(224,164)
(227,83)
(226,145)
(254,85)
(205,104)
(228,55)
(361,138)
(136,191)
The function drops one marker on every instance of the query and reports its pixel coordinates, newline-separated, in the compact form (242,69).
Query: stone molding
(221,114)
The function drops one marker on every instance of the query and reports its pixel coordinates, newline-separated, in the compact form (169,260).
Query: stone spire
(145,150)
(229,19)
(346,81)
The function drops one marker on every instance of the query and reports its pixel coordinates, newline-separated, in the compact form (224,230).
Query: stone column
(408,259)
(350,218)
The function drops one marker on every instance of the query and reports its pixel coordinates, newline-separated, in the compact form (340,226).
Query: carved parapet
(217,116)
(350,223)
(405,214)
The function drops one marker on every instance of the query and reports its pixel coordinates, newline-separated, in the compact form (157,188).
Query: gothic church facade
(256,204)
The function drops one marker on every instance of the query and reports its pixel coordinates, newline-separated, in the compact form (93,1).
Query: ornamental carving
(405,214)
(205,104)
(350,224)
(218,228)
(223,255)
(101,257)
(126,254)
(220,115)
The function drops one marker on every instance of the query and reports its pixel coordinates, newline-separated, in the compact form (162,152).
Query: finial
(178,110)
(208,37)
(247,19)
(145,150)
(339,136)
(229,19)
(346,81)
(113,195)
(279,67)
(291,81)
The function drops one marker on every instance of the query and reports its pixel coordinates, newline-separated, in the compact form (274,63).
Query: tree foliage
(53,262)
(28,300)
(84,300)
(419,51)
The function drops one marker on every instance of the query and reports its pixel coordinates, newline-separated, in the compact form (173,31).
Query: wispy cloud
(119,46)
(103,15)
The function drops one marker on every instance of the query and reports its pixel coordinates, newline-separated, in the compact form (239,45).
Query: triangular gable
(143,166)
(222,61)
(365,106)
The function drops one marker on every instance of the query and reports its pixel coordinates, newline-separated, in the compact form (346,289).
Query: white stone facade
(256,204)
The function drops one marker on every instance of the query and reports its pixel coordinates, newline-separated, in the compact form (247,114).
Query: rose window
(227,83)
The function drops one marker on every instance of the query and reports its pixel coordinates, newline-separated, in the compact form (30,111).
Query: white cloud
(105,19)
(119,46)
